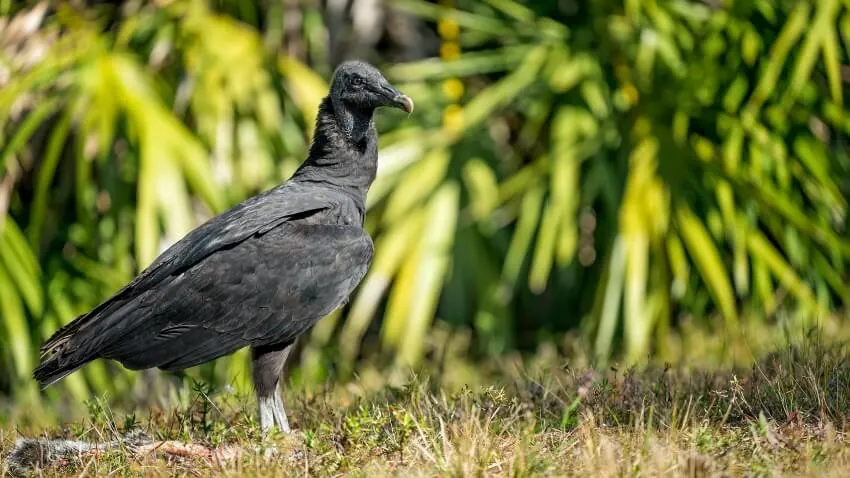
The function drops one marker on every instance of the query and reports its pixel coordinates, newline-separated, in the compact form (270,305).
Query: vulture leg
(268,362)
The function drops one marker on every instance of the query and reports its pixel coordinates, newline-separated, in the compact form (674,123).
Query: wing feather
(268,289)
(257,215)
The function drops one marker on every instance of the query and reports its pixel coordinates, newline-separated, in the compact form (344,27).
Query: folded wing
(253,218)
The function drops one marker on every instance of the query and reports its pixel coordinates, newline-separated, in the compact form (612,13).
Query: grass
(785,414)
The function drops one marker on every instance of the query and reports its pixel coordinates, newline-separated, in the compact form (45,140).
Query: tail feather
(79,342)
(67,332)
(56,368)
(67,350)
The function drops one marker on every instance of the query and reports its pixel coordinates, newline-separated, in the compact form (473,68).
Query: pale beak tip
(406,103)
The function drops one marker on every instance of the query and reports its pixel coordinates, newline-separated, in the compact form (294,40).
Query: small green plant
(529,421)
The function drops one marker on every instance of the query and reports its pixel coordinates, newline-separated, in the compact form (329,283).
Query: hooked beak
(398,99)
(404,102)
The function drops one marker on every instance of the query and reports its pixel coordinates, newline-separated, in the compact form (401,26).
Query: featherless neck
(344,151)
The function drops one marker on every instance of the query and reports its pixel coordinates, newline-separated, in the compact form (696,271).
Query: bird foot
(272,414)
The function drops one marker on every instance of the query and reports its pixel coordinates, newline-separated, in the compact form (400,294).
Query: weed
(785,414)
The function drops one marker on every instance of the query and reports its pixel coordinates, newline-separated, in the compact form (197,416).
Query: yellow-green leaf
(436,252)
(709,263)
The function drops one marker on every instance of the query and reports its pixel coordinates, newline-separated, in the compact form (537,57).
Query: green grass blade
(25,130)
(831,45)
(794,27)
(544,250)
(826,14)
(483,186)
(17,338)
(416,184)
(472,63)
(709,263)
(46,173)
(390,251)
(760,247)
(21,266)
(638,324)
(613,284)
(529,214)
(437,243)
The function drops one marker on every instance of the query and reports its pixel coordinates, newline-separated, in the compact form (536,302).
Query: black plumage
(258,275)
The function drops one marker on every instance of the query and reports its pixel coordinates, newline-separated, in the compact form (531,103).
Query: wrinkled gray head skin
(360,86)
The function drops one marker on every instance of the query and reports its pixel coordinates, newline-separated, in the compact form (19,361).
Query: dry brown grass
(785,415)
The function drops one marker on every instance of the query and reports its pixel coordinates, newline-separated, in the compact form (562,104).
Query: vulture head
(357,89)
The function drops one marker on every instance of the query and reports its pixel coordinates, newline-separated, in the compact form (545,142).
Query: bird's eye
(356,81)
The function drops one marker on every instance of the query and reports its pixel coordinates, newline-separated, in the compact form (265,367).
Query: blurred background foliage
(612,170)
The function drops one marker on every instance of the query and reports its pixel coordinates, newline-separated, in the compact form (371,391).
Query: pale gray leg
(268,362)
(280,414)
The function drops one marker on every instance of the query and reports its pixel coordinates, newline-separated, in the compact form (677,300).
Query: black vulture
(257,275)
